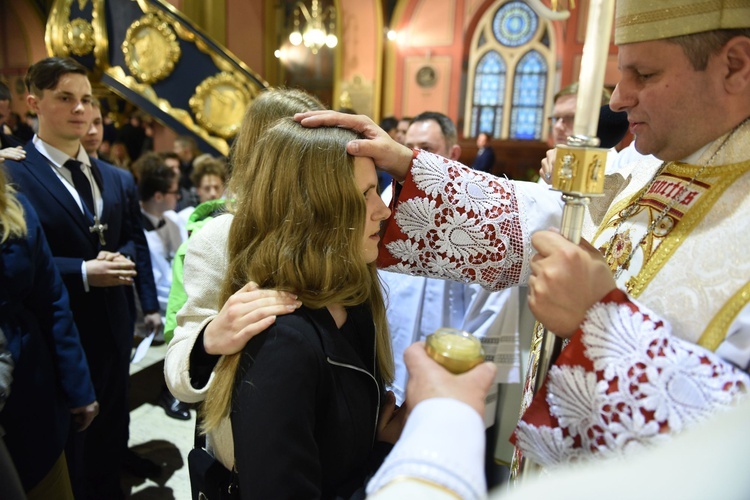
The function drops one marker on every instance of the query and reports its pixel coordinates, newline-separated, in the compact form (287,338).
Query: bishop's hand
(566,280)
(386,153)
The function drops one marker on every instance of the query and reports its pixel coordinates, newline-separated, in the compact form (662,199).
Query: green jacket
(177,296)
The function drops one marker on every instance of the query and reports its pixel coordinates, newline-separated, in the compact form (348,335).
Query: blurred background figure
(10,145)
(119,157)
(133,135)
(612,131)
(188,197)
(612,126)
(403,126)
(485,159)
(186,149)
(158,190)
(209,178)
(390,125)
(31,120)
(19,128)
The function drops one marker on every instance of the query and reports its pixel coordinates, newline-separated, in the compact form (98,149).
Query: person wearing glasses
(564,112)
(611,131)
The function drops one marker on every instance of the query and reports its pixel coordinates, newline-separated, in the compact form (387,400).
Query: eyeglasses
(176,192)
(567,120)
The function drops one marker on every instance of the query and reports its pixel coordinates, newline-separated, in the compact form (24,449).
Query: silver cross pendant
(98,227)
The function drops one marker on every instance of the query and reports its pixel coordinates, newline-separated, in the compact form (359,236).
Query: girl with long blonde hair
(12,223)
(187,367)
(305,396)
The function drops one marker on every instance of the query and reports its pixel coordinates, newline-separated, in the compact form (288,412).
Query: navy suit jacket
(102,314)
(51,375)
(144,280)
(485,161)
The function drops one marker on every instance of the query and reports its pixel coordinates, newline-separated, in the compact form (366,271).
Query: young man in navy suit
(83,207)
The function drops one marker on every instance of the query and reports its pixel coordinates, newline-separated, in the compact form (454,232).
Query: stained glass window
(514,24)
(489,89)
(529,88)
(509,80)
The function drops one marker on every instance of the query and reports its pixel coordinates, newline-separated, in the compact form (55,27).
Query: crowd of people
(296,305)
(99,244)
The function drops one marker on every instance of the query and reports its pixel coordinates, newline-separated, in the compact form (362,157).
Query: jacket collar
(335,346)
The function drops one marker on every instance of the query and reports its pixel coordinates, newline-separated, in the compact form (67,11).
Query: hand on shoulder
(245,314)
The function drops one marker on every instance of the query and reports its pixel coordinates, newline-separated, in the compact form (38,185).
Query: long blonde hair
(263,112)
(299,229)
(12,223)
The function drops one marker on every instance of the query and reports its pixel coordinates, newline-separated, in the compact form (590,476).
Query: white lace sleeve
(624,382)
(455,223)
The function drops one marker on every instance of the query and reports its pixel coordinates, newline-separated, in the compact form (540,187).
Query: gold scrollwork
(151,48)
(219,103)
(79,36)
(181,115)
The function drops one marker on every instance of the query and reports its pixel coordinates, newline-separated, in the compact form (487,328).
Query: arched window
(529,88)
(509,73)
(489,85)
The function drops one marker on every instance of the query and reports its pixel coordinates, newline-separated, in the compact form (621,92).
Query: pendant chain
(633,207)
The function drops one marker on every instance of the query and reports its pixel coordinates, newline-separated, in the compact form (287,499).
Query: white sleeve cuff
(442,443)
(84,276)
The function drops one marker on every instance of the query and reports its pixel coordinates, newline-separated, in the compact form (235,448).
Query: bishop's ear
(736,56)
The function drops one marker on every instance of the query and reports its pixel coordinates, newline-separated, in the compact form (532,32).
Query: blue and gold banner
(153,56)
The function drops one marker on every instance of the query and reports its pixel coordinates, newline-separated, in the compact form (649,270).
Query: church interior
(191,67)
(492,65)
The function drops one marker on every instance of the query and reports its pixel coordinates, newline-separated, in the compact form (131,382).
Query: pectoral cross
(98,227)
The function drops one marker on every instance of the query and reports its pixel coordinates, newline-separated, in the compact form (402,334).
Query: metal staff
(579,174)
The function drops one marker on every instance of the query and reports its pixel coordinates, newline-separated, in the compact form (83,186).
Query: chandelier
(315,34)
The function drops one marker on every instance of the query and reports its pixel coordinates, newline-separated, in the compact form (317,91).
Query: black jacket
(305,407)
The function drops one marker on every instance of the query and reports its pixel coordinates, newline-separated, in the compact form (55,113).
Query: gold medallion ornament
(79,37)
(219,103)
(151,48)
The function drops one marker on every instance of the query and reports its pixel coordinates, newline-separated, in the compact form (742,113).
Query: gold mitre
(644,20)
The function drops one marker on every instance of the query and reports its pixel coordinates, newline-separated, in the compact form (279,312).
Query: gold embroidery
(720,178)
(431,484)
(662,14)
(717,329)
